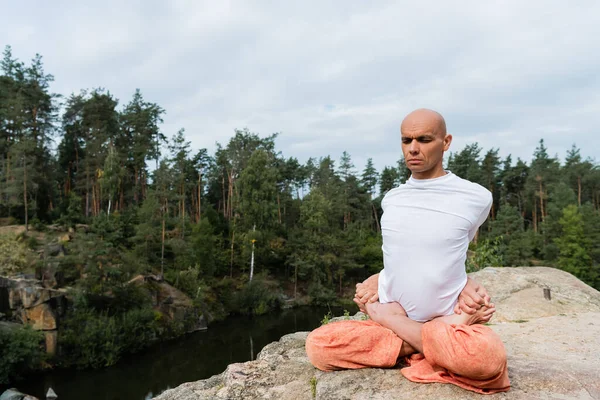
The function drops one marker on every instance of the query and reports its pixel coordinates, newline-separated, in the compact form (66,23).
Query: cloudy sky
(332,75)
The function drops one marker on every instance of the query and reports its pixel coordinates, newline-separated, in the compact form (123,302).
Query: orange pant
(472,357)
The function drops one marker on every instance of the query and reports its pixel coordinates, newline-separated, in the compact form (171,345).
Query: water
(193,357)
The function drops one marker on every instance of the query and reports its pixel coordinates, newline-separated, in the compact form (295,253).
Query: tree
(140,139)
(573,245)
(466,163)
(180,149)
(388,181)
(369,177)
(542,174)
(576,171)
(490,175)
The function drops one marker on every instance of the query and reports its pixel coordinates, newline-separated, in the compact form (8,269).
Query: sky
(332,76)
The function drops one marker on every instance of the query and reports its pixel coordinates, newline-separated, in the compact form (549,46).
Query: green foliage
(485,254)
(91,338)
(14,257)
(313,387)
(22,351)
(326,318)
(321,295)
(255,298)
(573,246)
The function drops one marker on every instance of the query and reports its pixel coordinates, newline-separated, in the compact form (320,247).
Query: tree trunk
(579,190)
(230,195)
(25,195)
(135,185)
(542,201)
(295,280)
(376,219)
(162,249)
(182,211)
(87,191)
(534,217)
(224,201)
(199,195)
(278,208)
(231,258)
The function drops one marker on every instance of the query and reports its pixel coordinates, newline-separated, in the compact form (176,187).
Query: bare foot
(481,316)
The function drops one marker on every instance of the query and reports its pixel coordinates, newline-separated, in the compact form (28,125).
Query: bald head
(424,119)
(424,141)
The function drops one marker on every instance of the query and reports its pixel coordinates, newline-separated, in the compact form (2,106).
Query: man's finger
(360,305)
(366,297)
(374,298)
(466,308)
(457,309)
(487,299)
(469,302)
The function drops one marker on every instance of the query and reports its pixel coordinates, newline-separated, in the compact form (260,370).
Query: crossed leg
(380,342)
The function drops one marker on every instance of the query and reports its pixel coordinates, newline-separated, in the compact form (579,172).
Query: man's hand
(472,298)
(380,312)
(367,292)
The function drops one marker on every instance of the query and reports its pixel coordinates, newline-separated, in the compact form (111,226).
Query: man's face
(423,148)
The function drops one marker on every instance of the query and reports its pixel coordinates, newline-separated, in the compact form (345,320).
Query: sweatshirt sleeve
(486,205)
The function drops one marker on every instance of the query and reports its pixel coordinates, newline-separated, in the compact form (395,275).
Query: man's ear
(447,141)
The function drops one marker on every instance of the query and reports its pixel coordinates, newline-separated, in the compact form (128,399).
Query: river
(192,357)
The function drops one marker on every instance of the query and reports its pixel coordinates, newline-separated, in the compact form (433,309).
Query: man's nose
(414,147)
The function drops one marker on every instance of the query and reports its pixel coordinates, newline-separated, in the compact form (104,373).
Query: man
(426,303)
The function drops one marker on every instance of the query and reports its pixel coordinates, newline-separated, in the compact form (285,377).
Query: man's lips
(414,161)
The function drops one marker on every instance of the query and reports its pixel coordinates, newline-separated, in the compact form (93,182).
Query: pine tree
(369,177)
(388,180)
(573,245)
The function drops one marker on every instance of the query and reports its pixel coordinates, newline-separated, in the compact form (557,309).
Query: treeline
(194,216)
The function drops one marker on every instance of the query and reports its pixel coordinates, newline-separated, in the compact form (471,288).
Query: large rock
(171,302)
(552,346)
(40,317)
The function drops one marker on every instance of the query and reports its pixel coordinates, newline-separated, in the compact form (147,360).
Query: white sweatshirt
(427,225)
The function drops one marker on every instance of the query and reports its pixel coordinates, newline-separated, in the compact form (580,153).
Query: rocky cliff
(548,320)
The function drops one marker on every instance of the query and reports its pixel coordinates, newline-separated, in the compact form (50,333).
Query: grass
(313,387)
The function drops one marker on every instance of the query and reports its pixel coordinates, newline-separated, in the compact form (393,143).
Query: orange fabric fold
(352,345)
(472,357)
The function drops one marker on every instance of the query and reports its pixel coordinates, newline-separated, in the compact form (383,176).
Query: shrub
(13,255)
(485,254)
(94,339)
(255,298)
(321,295)
(21,352)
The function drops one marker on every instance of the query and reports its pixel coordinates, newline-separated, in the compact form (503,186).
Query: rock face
(171,302)
(29,302)
(553,347)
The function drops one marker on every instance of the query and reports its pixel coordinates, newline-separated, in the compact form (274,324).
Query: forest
(153,205)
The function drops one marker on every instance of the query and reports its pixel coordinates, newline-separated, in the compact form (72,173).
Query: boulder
(171,302)
(552,347)
(40,317)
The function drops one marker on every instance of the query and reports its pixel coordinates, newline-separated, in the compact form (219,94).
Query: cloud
(333,76)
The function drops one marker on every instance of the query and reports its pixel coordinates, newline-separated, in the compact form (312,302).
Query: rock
(519,293)
(171,302)
(51,341)
(57,249)
(552,350)
(40,317)
(14,394)
(27,293)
